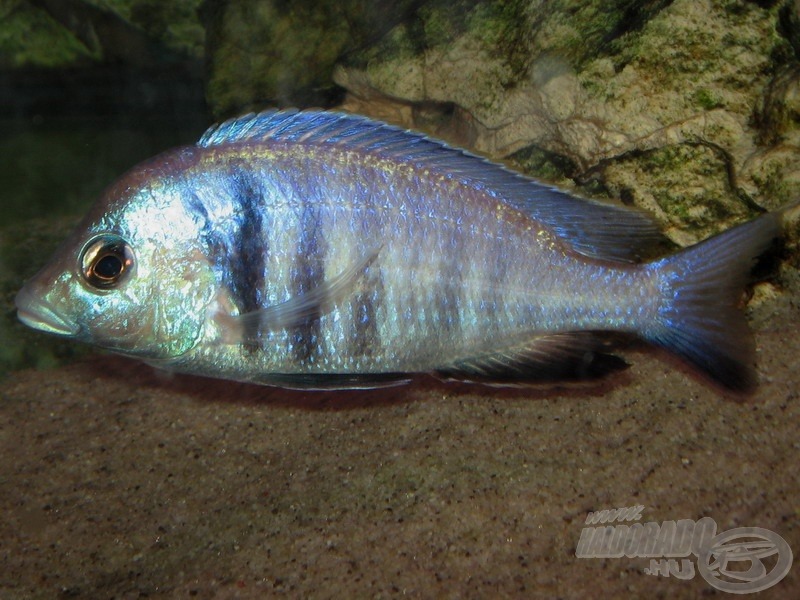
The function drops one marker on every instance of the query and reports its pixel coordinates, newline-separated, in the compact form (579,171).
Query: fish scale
(426,289)
(325,250)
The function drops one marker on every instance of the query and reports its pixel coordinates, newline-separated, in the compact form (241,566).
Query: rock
(268,52)
(70,33)
(593,87)
(658,100)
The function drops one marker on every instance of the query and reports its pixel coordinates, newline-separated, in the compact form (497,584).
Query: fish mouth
(40,315)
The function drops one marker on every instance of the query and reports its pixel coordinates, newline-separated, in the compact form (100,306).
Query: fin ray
(700,320)
(552,357)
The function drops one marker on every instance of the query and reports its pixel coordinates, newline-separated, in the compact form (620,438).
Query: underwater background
(118,481)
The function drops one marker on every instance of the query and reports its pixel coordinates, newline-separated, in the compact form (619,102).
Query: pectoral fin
(295,311)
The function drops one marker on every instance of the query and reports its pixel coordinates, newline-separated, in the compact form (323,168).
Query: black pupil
(108,267)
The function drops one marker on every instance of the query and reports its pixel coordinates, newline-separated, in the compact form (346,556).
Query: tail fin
(699,319)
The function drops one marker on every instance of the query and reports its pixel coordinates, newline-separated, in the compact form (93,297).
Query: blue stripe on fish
(213,240)
(449,308)
(307,273)
(249,247)
(239,253)
(364,339)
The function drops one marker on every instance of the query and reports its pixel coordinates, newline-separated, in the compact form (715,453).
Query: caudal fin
(699,319)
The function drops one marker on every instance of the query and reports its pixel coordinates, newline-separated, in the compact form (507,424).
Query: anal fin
(572,355)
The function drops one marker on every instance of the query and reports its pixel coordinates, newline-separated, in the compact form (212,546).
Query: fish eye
(106,261)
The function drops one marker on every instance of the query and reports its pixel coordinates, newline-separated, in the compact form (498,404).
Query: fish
(318,249)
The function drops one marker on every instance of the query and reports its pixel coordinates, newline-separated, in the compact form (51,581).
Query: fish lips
(40,314)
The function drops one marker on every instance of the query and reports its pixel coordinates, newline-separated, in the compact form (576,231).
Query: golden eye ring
(107,261)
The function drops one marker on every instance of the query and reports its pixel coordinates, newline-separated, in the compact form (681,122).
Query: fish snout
(36,312)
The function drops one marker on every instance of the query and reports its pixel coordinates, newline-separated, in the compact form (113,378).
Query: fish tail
(699,318)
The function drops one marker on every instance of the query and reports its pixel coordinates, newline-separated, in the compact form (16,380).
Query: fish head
(132,277)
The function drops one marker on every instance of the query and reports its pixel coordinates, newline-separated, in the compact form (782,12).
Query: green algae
(29,37)
(544,165)
(689,183)
(706,99)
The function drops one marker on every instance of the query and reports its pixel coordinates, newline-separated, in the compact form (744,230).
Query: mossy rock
(687,186)
(70,33)
(30,37)
(273,52)
(575,92)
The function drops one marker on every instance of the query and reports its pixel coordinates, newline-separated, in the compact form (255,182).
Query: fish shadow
(114,369)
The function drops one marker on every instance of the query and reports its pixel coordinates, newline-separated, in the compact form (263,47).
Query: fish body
(319,249)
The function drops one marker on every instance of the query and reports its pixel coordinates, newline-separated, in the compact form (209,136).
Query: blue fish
(326,250)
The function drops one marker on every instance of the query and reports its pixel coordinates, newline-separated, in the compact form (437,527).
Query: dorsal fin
(330,128)
(591,228)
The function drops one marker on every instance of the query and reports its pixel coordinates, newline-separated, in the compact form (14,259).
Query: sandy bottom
(117,481)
